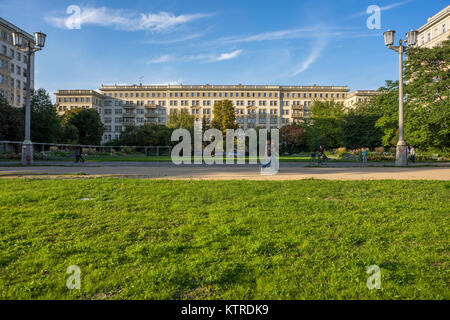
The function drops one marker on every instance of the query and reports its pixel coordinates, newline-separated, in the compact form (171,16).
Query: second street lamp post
(401,157)
(29,48)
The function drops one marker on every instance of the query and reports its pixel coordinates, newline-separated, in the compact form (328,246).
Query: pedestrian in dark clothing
(79,154)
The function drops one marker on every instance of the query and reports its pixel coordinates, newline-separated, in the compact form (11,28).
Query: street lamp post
(29,48)
(404,45)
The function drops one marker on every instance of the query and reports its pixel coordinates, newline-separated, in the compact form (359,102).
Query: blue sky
(282,42)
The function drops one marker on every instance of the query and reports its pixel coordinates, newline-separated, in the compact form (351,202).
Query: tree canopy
(181,119)
(224,116)
(12,122)
(45,124)
(89,125)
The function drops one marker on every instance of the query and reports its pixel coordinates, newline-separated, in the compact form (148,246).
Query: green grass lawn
(144,239)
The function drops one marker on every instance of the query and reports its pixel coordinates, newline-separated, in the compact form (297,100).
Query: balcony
(151,114)
(151,121)
(129,106)
(298,115)
(128,121)
(150,106)
(129,114)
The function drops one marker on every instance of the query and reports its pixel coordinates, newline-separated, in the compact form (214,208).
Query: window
(444,28)
(1,78)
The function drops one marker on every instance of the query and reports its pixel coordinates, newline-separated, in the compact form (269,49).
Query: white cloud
(315,54)
(161,59)
(175,40)
(298,33)
(229,56)
(207,58)
(122,19)
(385,8)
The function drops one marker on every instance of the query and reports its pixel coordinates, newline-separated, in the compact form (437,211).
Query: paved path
(164,170)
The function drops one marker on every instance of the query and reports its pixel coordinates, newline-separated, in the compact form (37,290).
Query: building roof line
(9,25)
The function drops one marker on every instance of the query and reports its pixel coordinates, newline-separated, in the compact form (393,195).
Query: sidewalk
(166,164)
(288,171)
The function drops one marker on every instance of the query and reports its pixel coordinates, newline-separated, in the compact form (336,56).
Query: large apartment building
(360,96)
(256,106)
(436,30)
(13,66)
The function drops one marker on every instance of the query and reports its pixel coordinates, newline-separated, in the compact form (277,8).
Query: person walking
(412,152)
(407,155)
(79,154)
(364,156)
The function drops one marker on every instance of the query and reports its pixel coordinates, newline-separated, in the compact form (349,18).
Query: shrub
(379,150)
(341,151)
(54,149)
(128,150)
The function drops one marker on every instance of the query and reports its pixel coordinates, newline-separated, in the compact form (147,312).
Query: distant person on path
(412,152)
(321,151)
(79,154)
(407,155)
(364,156)
(321,157)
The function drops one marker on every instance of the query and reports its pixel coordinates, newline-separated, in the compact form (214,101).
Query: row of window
(436,32)
(193,103)
(273,121)
(225,95)
(14,84)
(14,54)
(18,70)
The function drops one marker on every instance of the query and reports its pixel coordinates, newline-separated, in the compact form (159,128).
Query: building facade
(436,30)
(360,96)
(13,65)
(255,106)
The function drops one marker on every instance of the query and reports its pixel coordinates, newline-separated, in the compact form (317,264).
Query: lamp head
(17,39)
(411,37)
(39,37)
(389,37)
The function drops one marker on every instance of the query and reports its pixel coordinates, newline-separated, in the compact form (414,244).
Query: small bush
(128,150)
(379,150)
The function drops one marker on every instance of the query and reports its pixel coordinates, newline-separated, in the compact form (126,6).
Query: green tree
(145,135)
(224,115)
(45,123)
(12,122)
(89,125)
(427,116)
(359,130)
(181,119)
(292,138)
(325,125)
(70,134)
(386,106)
